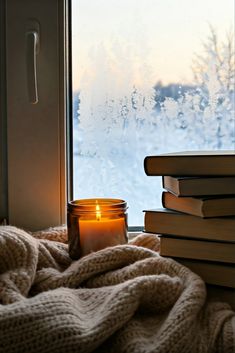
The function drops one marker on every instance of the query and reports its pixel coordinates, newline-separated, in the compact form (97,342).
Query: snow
(113,139)
(118,123)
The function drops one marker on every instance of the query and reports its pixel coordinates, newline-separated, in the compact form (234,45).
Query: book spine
(181,224)
(189,205)
(190,166)
(198,250)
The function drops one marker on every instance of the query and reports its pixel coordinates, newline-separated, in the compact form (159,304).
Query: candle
(94,224)
(98,234)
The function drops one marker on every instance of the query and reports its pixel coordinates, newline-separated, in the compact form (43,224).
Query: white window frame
(34,172)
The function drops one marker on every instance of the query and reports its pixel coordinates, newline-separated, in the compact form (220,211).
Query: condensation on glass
(149,77)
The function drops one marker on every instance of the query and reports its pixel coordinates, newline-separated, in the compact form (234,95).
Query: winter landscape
(118,120)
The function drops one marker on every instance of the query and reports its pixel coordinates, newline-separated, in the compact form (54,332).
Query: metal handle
(31,56)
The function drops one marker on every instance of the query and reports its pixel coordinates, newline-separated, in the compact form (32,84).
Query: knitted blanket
(121,299)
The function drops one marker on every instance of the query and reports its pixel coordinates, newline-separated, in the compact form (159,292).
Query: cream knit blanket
(121,299)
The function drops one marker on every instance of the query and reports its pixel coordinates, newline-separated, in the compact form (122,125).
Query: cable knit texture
(121,299)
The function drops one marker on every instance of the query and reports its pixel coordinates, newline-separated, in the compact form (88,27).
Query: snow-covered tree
(205,114)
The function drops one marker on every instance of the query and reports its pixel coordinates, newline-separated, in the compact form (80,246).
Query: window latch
(32,50)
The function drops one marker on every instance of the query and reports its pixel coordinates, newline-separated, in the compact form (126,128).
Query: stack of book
(197,222)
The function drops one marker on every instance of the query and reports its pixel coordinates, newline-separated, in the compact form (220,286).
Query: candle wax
(99,234)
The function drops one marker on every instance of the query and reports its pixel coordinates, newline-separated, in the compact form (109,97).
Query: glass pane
(149,77)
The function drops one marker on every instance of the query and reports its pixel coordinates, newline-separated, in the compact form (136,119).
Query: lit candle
(96,224)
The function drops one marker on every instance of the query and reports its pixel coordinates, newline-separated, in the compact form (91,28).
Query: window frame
(3,122)
(34,182)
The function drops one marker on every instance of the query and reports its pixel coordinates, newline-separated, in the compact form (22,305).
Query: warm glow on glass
(98,213)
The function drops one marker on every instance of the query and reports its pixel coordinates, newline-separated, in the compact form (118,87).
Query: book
(203,207)
(197,249)
(220,274)
(221,294)
(165,221)
(199,186)
(191,163)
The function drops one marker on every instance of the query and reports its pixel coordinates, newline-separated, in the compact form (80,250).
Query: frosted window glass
(149,77)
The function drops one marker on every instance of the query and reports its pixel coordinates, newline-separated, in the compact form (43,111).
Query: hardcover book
(213,206)
(192,163)
(165,221)
(221,294)
(199,186)
(220,274)
(197,249)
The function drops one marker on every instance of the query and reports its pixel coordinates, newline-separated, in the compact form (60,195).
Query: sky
(143,41)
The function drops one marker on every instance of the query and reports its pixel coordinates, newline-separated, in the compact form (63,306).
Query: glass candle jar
(94,224)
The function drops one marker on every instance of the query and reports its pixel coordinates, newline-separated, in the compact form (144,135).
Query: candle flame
(98,212)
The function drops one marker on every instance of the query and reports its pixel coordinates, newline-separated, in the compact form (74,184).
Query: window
(130,99)
(148,77)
